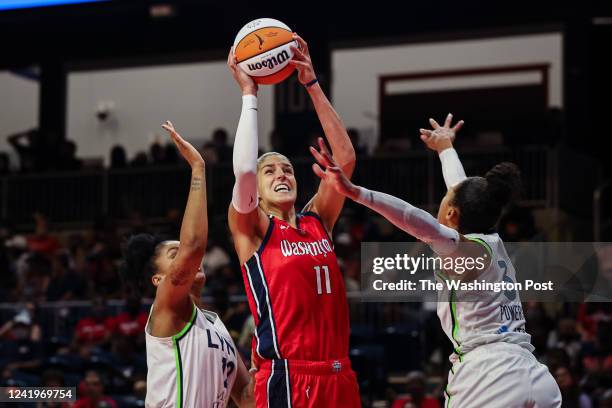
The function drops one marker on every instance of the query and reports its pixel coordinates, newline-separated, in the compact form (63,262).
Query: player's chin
(288,197)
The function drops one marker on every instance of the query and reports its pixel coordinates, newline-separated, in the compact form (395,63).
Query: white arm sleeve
(452,170)
(244,196)
(416,222)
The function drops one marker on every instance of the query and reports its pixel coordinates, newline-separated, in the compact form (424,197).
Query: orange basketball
(263,49)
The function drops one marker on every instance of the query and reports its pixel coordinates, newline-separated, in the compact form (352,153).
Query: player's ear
(452,217)
(156,279)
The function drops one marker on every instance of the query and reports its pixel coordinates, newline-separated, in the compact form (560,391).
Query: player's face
(276,181)
(448,215)
(166,252)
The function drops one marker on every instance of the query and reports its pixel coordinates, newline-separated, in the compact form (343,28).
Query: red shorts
(299,384)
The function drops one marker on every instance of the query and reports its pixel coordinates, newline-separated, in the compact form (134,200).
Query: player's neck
(285,214)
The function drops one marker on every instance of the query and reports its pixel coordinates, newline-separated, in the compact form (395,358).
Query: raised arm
(441,139)
(326,202)
(416,222)
(173,292)
(246,220)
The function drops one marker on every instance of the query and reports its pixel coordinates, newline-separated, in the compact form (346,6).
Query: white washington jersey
(473,318)
(194,368)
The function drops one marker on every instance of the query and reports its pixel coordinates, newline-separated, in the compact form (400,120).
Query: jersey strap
(483,243)
(318,218)
(266,332)
(177,355)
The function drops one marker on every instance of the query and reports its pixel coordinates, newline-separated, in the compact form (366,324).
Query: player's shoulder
(215,320)
(310,217)
(490,241)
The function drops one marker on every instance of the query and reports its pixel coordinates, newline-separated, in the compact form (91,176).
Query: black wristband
(311,83)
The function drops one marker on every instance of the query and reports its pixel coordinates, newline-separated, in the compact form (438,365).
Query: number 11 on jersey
(327,283)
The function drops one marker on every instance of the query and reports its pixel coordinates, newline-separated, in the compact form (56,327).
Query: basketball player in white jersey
(191,358)
(492,364)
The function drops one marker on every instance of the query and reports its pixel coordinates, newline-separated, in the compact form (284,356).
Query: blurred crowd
(37,152)
(65,319)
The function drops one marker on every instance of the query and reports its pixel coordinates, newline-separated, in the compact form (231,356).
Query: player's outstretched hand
(302,61)
(329,171)
(189,153)
(441,137)
(246,83)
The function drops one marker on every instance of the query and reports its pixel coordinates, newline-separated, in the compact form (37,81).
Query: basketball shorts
(306,384)
(501,375)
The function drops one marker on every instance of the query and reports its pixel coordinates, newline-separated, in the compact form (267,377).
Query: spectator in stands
(171,154)
(570,392)
(517,224)
(67,159)
(94,389)
(209,153)
(118,157)
(100,263)
(64,284)
(222,148)
(131,322)
(27,145)
(43,241)
(415,395)
(566,336)
(140,160)
(93,330)
(53,378)
(140,389)
(156,154)
(33,276)
(23,350)
(216,256)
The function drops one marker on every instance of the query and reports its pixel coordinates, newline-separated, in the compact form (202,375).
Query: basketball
(262,50)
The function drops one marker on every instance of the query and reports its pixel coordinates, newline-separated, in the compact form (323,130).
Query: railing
(82,197)
(58,319)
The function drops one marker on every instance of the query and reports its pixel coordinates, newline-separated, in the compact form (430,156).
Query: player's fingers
(425,132)
(318,157)
(448,120)
(168,126)
(297,53)
(325,152)
(335,169)
(424,138)
(318,171)
(298,63)
(433,123)
(323,146)
(458,126)
(303,45)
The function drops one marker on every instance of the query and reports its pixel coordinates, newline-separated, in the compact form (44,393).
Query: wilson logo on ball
(263,49)
(271,62)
